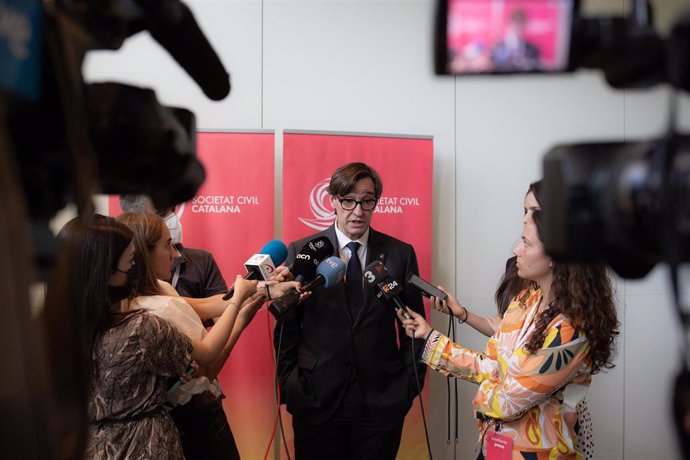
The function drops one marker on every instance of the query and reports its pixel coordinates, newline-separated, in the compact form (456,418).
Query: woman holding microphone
(554,336)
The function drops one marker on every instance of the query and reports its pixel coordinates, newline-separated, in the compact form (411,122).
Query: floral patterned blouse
(126,409)
(530,398)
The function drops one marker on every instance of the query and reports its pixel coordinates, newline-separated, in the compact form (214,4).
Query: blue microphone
(262,265)
(329,273)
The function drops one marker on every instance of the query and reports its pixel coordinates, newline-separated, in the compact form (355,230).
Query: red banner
(404,210)
(232,216)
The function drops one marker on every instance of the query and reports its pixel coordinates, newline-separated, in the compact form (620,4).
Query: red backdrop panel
(404,211)
(232,216)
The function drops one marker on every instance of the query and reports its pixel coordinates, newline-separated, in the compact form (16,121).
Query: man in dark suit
(345,379)
(514,53)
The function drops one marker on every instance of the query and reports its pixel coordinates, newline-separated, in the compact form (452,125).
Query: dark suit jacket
(322,345)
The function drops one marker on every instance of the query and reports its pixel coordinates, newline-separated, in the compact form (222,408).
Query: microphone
(329,273)
(426,288)
(310,256)
(172,24)
(304,268)
(262,265)
(376,275)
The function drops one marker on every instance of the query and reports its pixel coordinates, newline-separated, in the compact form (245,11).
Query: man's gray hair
(136,203)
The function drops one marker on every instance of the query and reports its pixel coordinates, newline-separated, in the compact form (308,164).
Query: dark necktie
(353,282)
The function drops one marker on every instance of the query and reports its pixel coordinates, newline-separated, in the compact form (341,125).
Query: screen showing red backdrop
(405,165)
(475,27)
(232,217)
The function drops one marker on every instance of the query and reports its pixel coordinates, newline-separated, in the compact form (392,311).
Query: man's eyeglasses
(349,204)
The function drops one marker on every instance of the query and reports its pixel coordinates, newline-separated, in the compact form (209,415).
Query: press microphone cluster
(329,273)
(262,265)
(376,275)
(309,257)
(304,269)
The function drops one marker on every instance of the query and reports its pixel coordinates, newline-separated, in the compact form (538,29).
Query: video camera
(62,141)
(601,200)
(62,128)
(625,203)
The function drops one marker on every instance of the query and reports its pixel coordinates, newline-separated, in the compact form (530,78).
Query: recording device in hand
(262,265)
(329,273)
(376,275)
(425,288)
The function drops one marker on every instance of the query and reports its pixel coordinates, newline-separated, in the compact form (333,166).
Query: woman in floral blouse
(533,372)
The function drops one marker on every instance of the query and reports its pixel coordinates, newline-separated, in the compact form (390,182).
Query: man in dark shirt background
(195,273)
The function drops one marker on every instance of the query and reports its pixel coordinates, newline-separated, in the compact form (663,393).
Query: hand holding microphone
(262,265)
(273,290)
(415,325)
(376,275)
(241,290)
(329,273)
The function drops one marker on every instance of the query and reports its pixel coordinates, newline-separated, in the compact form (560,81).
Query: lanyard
(176,276)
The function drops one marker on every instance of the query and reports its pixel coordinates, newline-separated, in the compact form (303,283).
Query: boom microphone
(329,273)
(260,266)
(172,24)
(376,275)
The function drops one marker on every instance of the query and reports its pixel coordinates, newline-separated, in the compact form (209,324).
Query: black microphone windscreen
(310,256)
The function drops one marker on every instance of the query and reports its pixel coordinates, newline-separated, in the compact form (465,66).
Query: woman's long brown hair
(582,293)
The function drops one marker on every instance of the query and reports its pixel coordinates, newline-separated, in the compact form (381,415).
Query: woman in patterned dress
(133,352)
(553,337)
(509,286)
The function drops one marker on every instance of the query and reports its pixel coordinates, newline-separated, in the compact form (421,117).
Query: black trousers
(356,439)
(204,429)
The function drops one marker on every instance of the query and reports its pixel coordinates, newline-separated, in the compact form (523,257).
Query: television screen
(504,36)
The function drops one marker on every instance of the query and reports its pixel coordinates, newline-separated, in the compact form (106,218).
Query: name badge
(498,447)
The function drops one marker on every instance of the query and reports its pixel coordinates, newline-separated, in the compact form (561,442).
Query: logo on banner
(321,209)
(320,206)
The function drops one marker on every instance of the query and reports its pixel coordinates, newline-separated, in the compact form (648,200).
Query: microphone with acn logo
(376,275)
(309,257)
(260,266)
(329,273)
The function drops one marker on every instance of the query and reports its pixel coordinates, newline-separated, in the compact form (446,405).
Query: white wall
(366,66)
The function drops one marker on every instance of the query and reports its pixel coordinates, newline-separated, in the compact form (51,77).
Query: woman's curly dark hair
(582,293)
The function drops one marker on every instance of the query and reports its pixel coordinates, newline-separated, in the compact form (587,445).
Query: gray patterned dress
(128,419)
